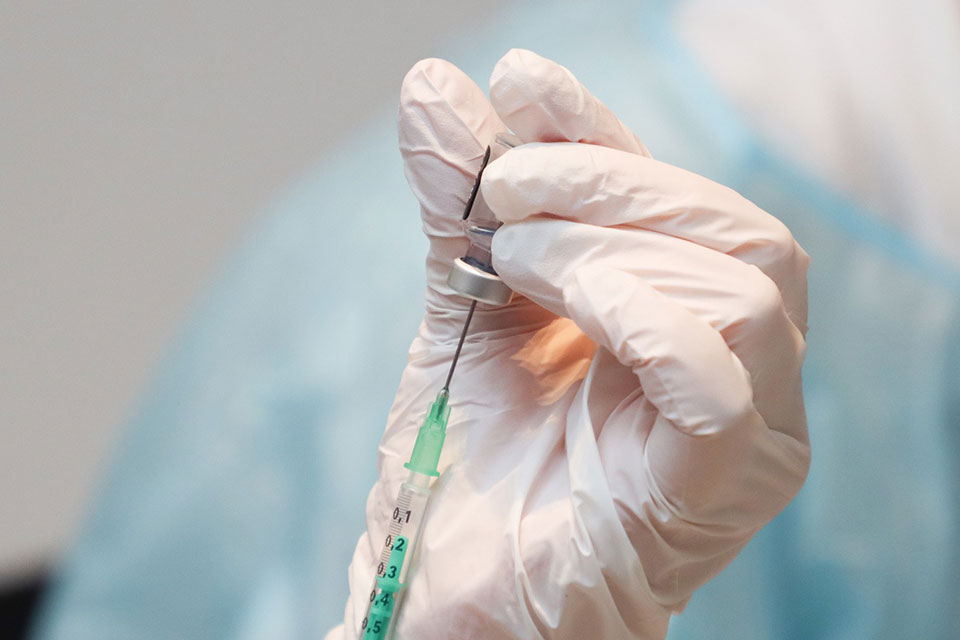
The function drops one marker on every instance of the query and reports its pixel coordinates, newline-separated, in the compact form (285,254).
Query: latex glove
(585,491)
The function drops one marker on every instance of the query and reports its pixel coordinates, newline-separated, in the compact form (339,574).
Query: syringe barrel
(396,557)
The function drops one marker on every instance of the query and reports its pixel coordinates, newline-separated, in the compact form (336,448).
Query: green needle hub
(426,451)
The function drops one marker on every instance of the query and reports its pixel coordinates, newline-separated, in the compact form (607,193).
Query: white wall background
(136,141)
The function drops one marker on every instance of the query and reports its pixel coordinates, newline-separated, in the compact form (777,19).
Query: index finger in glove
(606,187)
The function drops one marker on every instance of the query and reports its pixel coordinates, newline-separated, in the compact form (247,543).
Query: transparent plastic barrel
(396,556)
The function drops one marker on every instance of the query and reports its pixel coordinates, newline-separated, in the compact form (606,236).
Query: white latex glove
(619,432)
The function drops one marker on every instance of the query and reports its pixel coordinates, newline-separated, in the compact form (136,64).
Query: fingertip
(525,89)
(426,78)
(521,69)
(543,101)
(436,96)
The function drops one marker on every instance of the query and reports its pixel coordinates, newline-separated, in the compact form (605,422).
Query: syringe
(406,520)
(473,277)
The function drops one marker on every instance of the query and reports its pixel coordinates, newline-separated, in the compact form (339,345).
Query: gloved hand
(624,426)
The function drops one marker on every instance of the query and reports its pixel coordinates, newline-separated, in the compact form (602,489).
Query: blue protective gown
(235,497)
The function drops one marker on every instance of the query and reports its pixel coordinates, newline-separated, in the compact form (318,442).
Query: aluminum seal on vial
(473,275)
